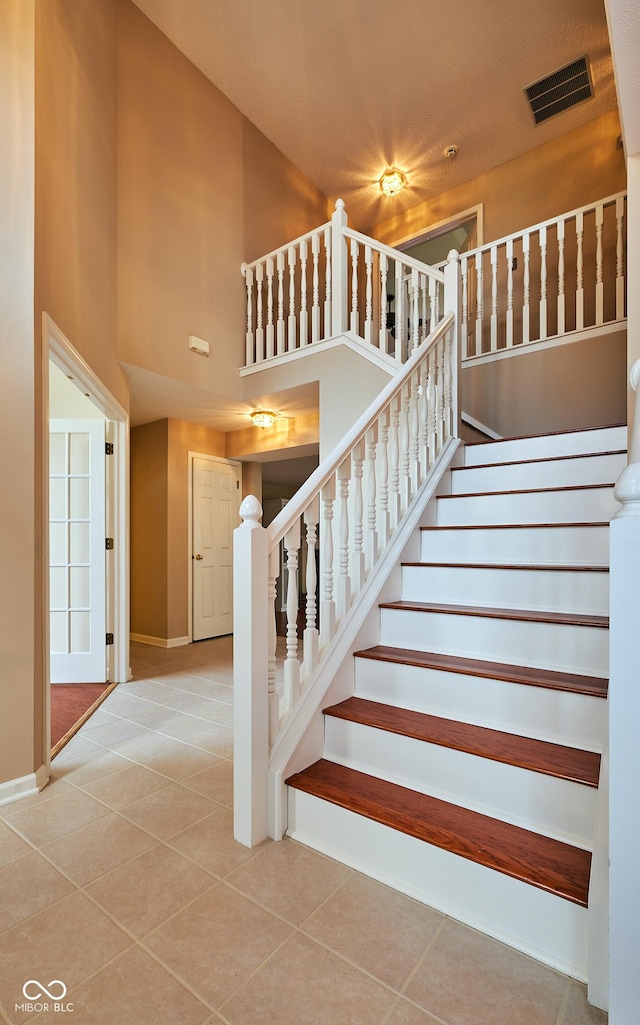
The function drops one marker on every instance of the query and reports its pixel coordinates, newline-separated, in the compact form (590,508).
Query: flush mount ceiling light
(263,418)
(392,182)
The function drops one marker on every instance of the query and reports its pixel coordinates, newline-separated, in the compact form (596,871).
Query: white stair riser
(576,720)
(606,439)
(554,807)
(553,590)
(558,546)
(572,649)
(582,506)
(604,469)
(547,927)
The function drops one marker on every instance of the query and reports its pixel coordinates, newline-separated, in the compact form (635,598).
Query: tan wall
(576,169)
(183,438)
(21,750)
(149,496)
(76,180)
(285,435)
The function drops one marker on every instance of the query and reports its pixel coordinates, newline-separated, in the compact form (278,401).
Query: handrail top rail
(544,224)
(395,254)
(322,474)
(283,249)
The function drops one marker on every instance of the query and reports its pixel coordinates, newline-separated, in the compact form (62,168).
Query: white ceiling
(347,87)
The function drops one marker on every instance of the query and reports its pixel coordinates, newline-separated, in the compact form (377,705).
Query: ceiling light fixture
(392,182)
(263,418)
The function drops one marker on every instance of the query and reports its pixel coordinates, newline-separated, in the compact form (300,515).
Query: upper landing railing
(551,279)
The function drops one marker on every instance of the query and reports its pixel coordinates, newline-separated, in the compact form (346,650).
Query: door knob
(198,557)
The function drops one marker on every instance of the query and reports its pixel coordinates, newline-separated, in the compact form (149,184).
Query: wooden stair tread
(527,491)
(554,567)
(541,861)
(527,615)
(514,526)
(536,755)
(552,679)
(548,434)
(541,459)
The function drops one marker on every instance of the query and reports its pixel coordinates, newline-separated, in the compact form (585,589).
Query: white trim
(160,642)
(478,426)
(56,346)
(547,343)
(351,341)
(24,786)
(216,459)
(448,223)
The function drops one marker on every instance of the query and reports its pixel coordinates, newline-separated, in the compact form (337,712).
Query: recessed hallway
(123,881)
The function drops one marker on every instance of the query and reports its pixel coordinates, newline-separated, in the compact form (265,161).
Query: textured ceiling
(347,87)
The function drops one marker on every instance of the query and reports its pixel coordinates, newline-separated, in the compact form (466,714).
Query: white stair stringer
(547,927)
(502,625)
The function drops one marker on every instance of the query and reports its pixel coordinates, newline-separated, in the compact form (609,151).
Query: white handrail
(397,254)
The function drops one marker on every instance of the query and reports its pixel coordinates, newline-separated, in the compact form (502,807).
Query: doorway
(463,232)
(214,500)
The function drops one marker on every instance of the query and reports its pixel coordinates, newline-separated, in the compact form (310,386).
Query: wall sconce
(392,182)
(263,418)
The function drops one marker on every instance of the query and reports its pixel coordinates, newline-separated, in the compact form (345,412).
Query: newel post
(340,270)
(453,304)
(250,675)
(614,886)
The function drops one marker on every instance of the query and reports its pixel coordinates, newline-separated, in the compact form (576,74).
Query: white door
(77,551)
(216,500)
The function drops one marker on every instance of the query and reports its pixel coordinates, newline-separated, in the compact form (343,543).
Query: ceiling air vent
(560,90)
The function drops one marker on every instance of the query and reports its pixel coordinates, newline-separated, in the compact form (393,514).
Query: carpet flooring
(69,703)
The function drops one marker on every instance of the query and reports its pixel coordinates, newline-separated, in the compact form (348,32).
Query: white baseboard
(25,786)
(160,642)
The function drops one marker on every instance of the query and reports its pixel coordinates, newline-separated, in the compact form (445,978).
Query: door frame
(57,347)
(439,228)
(214,459)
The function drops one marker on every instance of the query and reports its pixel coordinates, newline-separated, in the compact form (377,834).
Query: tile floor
(123,881)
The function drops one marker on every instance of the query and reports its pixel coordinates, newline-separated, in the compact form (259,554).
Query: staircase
(464,770)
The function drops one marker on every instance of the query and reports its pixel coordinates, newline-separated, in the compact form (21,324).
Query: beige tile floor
(122,880)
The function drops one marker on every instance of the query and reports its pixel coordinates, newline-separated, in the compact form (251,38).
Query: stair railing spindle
(344,580)
(561,296)
(328,605)
(310,636)
(270,327)
(304,314)
(315,300)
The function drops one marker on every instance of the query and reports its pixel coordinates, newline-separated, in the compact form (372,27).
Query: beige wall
(76,137)
(576,169)
(21,749)
(149,497)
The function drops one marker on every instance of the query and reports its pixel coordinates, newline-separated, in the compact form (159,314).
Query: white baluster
(310,636)
(415,308)
(291,664)
(291,328)
(543,283)
(526,245)
(425,303)
(400,314)
(494,298)
(315,302)
(479,304)
(274,697)
(368,313)
(383,463)
(384,269)
(405,480)
(270,327)
(344,581)
(433,304)
(394,464)
(372,541)
(358,564)
(423,415)
(620,258)
(414,434)
(259,327)
(328,605)
(579,272)
(248,277)
(440,395)
(433,406)
(327,283)
(447,356)
(464,327)
(436,302)
(509,319)
(280,339)
(599,267)
(354,287)
(561,295)
(304,315)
